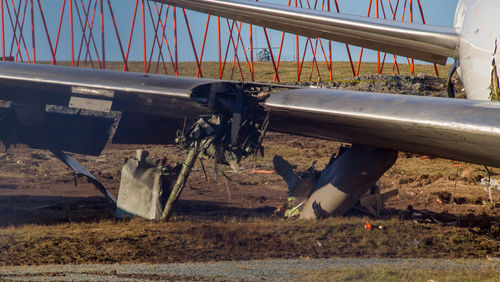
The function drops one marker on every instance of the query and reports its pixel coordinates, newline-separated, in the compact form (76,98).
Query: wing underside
(425,42)
(152,106)
(450,128)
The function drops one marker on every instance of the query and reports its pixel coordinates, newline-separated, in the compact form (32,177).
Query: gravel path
(276,270)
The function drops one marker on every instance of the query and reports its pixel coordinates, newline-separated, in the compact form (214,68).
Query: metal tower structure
(84,33)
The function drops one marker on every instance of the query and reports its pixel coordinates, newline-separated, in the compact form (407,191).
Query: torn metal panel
(92,99)
(82,171)
(147,129)
(234,131)
(144,187)
(159,95)
(285,170)
(74,133)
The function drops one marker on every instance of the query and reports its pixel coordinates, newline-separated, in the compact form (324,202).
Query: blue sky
(436,12)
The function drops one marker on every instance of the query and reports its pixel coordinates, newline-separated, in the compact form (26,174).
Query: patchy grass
(80,230)
(390,273)
(183,240)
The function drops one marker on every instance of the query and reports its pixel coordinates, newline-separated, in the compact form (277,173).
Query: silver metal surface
(424,42)
(479,54)
(159,95)
(451,128)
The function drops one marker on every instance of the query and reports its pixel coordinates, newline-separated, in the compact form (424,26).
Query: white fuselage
(478,22)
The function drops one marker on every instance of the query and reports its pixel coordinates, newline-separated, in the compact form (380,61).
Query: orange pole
(361,51)
(220,55)
(298,55)
(378,52)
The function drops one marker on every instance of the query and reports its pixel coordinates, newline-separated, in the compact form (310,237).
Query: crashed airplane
(228,118)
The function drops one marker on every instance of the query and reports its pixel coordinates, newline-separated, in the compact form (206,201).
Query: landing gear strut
(346,179)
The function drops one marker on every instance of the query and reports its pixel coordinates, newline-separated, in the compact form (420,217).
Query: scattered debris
(263,171)
(445,197)
(82,171)
(302,184)
(426,157)
(233,131)
(419,85)
(374,201)
(145,186)
(490,183)
(423,216)
(293,210)
(416,243)
(368,225)
(483,235)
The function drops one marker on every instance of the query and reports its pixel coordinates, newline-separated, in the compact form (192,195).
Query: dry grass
(184,240)
(76,237)
(264,71)
(81,230)
(389,273)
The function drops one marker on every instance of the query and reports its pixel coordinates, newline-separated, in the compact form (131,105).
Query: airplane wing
(152,106)
(456,129)
(424,42)
(156,105)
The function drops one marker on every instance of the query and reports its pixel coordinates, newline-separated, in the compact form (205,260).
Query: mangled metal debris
(144,187)
(82,171)
(233,131)
(349,179)
(490,183)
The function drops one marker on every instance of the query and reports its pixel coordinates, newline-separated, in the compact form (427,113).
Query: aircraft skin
(473,44)
(459,129)
(478,24)
(449,128)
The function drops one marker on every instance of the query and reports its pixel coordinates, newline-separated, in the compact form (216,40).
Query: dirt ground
(45,218)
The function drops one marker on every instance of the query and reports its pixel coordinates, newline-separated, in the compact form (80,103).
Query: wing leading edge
(424,42)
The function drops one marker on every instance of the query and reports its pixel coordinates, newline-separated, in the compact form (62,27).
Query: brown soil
(45,218)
